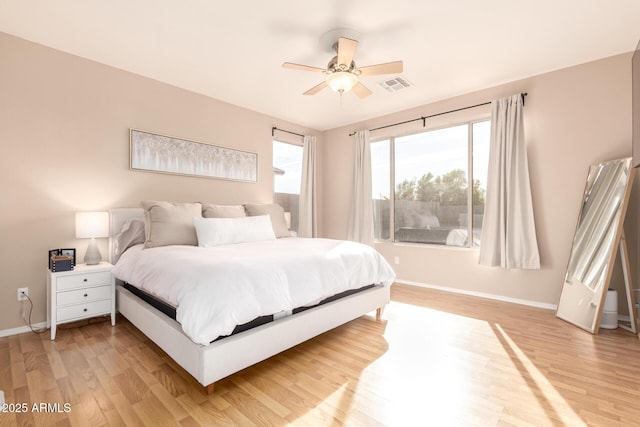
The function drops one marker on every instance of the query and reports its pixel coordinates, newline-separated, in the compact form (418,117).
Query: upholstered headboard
(117,218)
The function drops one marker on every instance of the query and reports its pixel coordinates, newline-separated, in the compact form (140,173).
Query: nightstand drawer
(83,280)
(85,295)
(81,311)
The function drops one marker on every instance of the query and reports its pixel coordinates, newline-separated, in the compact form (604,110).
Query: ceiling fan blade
(317,88)
(388,68)
(361,91)
(302,67)
(346,50)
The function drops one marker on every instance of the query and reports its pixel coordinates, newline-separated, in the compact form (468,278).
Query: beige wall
(64,124)
(573,118)
(64,132)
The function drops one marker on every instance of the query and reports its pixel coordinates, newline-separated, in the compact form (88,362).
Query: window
(381,188)
(287,170)
(439,182)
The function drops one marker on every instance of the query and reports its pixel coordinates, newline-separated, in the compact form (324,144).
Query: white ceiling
(233,50)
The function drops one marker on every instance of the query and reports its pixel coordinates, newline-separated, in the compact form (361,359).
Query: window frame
(392,190)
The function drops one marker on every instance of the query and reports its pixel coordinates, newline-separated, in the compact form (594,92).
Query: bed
(210,362)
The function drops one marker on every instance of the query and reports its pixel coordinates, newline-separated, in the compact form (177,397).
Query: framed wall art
(166,154)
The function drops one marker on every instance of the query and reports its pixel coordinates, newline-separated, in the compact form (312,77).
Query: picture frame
(54,252)
(60,252)
(165,154)
(69,252)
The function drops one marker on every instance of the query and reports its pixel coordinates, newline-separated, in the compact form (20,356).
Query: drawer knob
(84,280)
(86,295)
(84,309)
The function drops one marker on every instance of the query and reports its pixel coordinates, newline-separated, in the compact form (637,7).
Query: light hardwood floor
(435,359)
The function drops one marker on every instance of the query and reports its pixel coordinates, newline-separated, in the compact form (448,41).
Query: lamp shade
(92,224)
(341,81)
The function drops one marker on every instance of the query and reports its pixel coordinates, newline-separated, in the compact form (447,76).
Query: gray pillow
(222,211)
(169,223)
(132,234)
(276,213)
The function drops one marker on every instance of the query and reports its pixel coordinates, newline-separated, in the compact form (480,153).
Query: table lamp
(92,225)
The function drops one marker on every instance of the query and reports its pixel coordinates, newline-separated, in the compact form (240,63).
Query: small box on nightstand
(59,263)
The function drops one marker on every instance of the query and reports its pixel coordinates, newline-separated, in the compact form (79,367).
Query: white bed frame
(208,364)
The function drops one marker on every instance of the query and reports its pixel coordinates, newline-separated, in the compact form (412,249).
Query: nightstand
(86,291)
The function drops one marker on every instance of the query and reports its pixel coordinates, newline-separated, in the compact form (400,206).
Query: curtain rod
(424,118)
(274,129)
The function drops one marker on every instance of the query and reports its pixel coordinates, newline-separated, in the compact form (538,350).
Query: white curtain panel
(307,218)
(508,230)
(361,215)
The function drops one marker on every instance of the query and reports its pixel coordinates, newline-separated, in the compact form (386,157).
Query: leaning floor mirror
(598,238)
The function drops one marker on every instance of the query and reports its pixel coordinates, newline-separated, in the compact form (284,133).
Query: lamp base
(92,256)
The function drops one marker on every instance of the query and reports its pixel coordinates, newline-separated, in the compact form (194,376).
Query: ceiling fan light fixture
(341,81)
(342,75)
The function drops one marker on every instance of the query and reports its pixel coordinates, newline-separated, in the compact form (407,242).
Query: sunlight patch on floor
(450,370)
(545,389)
(334,407)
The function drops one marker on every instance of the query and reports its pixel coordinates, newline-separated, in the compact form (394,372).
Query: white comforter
(214,289)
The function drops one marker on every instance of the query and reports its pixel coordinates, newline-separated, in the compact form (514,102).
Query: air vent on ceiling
(395,84)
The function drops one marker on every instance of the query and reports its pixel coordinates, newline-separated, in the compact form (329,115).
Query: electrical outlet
(396,259)
(21,293)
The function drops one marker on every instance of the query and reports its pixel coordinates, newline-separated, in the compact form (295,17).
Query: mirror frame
(578,300)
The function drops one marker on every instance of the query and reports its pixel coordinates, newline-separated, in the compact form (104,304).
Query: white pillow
(226,231)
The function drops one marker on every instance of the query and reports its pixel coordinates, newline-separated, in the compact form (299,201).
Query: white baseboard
(481,295)
(21,329)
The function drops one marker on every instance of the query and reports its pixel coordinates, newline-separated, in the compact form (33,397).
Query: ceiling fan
(342,75)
